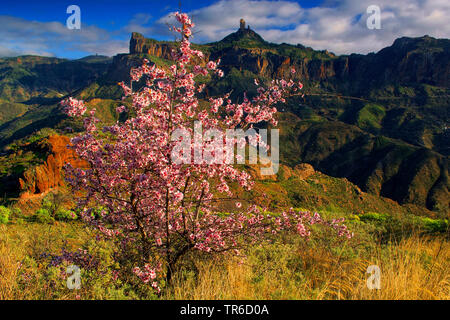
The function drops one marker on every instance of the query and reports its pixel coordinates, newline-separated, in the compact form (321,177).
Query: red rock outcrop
(49,175)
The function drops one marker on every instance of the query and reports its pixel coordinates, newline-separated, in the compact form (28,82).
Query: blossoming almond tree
(156,204)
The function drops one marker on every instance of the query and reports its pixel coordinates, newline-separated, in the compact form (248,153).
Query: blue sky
(108,14)
(39,27)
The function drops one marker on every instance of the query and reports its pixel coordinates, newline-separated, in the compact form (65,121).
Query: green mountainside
(380,120)
(31,87)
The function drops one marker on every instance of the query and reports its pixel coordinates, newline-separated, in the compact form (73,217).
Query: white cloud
(338,26)
(7,52)
(334,26)
(221,18)
(20,37)
(107,48)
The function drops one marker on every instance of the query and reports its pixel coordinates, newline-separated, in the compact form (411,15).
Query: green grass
(370,117)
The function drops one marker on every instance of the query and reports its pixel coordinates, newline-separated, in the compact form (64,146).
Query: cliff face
(408,60)
(139,44)
(261,61)
(49,175)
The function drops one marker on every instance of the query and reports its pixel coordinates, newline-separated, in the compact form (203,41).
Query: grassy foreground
(413,266)
(412,269)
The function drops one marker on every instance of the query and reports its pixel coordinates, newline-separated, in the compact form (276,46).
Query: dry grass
(415,268)
(18,246)
(9,268)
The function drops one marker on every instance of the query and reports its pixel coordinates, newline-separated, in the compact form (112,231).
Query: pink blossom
(121,109)
(148,199)
(73,107)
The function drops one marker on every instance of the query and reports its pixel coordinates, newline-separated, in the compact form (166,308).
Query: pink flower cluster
(148,274)
(73,107)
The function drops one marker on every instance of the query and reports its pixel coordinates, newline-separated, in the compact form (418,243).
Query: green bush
(46,204)
(4,215)
(97,212)
(434,225)
(389,227)
(65,215)
(373,216)
(43,216)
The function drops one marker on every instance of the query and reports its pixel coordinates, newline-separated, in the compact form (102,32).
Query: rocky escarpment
(423,60)
(49,175)
(409,60)
(263,61)
(139,44)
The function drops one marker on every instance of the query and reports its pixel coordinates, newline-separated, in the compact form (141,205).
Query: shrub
(4,215)
(101,277)
(389,227)
(434,225)
(43,216)
(54,202)
(373,216)
(65,215)
(353,217)
(46,204)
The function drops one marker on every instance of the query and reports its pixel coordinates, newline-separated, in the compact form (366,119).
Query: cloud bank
(23,37)
(338,26)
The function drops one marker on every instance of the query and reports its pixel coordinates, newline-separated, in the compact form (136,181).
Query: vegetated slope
(378,164)
(27,77)
(33,167)
(31,87)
